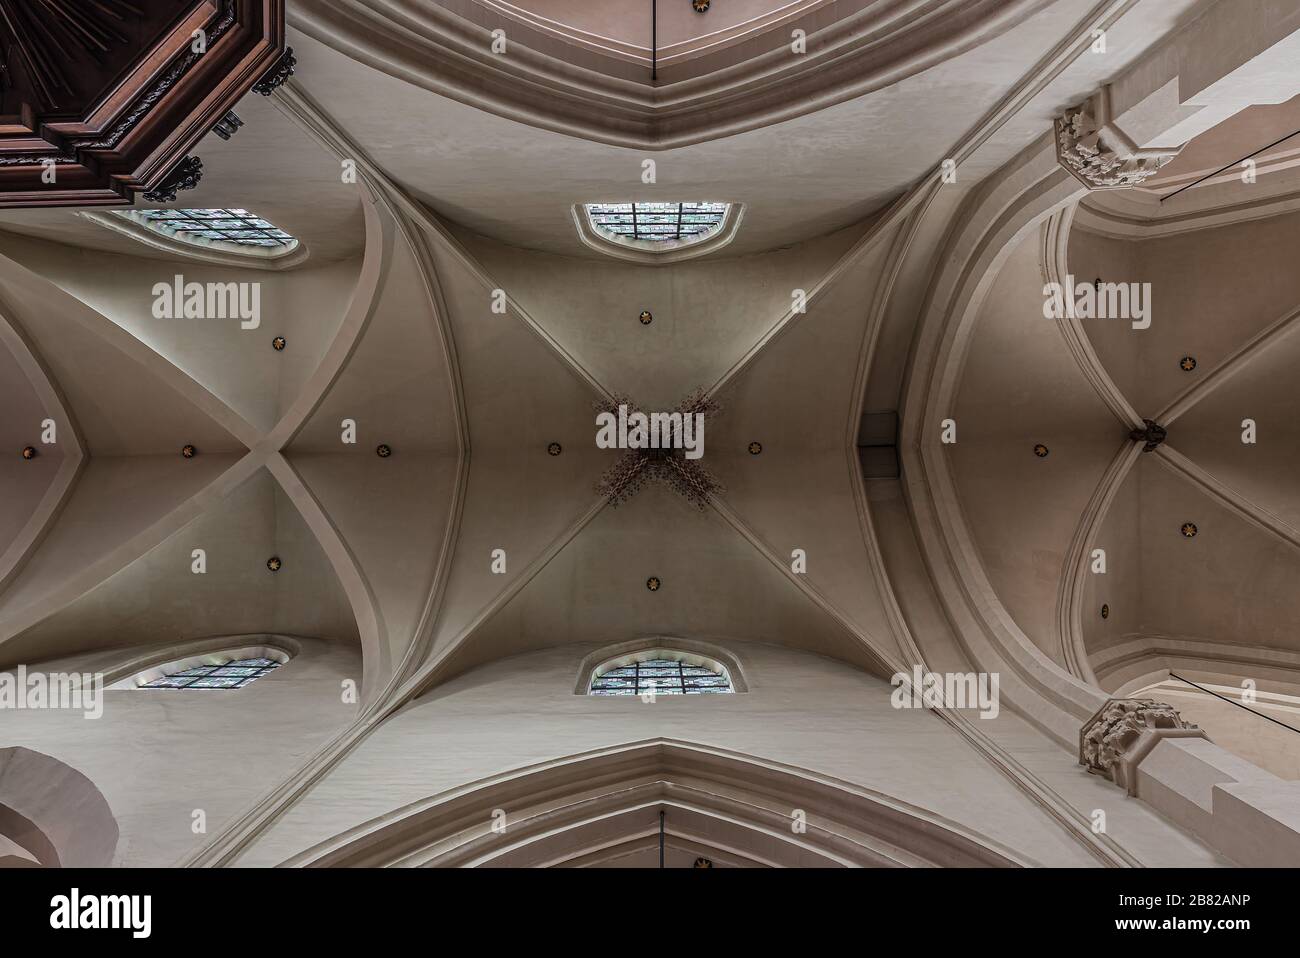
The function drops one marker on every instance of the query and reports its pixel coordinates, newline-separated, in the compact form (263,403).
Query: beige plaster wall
(802,709)
(158,756)
(1233,727)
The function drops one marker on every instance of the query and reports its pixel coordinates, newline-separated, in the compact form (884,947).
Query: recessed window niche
(657,233)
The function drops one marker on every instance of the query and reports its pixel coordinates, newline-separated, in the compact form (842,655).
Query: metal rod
(1224,169)
(661,838)
(1230,701)
(654,40)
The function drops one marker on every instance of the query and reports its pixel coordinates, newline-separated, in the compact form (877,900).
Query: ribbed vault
(450,321)
(1208,601)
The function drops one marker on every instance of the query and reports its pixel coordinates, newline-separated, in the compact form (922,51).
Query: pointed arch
(586,808)
(51,814)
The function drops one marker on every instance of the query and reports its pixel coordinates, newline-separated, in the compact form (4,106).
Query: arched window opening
(234,232)
(233,675)
(679,222)
(229,669)
(658,233)
(664,672)
(239,227)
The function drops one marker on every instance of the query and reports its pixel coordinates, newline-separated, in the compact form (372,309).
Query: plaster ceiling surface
(518,185)
(114,399)
(525,378)
(115,294)
(1215,286)
(628,20)
(1227,586)
(1021,387)
(798,179)
(21,427)
(401,338)
(147,599)
(1210,433)
(1193,311)
(1222,296)
(681,43)
(19,430)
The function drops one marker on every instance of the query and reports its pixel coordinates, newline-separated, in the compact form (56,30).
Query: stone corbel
(1098,153)
(1123,732)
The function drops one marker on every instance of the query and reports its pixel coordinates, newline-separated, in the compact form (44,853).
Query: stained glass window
(665,676)
(657,222)
(229,675)
(226,226)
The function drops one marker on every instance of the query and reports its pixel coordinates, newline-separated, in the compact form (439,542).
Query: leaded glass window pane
(228,226)
(232,675)
(665,676)
(657,221)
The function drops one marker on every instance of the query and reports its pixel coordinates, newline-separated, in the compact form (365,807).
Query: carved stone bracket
(278,74)
(1098,153)
(185,176)
(1151,436)
(1123,732)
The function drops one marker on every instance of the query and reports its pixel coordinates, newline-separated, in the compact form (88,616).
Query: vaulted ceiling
(1214,369)
(389,323)
(448,308)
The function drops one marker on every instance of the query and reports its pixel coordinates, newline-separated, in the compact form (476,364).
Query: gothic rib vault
(850,287)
